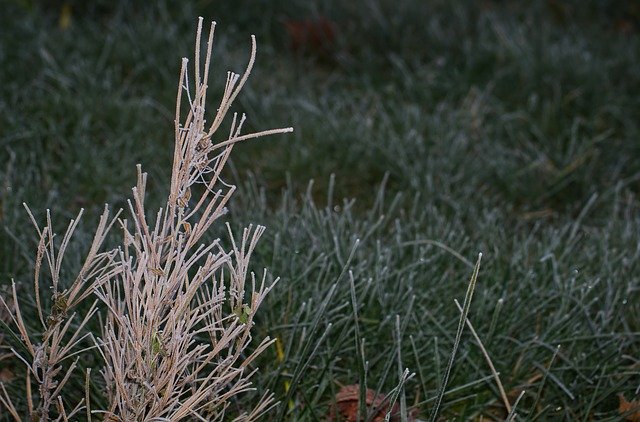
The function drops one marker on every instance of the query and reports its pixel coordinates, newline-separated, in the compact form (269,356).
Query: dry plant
(179,312)
(57,341)
(5,318)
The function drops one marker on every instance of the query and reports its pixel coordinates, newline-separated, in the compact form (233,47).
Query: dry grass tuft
(179,312)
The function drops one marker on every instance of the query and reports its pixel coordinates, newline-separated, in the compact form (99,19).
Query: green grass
(507,130)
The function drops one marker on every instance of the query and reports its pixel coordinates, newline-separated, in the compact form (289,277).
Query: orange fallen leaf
(496,411)
(630,410)
(347,405)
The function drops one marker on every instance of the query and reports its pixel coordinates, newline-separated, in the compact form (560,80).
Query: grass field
(432,131)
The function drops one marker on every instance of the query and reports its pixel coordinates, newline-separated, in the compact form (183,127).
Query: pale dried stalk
(180,315)
(57,340)
(496,375)
(5,319)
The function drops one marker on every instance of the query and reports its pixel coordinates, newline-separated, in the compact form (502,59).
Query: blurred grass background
(506,127)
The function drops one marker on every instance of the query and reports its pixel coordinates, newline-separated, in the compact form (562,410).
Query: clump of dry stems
(179,312)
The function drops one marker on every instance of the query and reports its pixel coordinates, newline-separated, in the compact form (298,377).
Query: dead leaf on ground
(315,36)
(6,375)
(496,410)
(347,405)
(630,410)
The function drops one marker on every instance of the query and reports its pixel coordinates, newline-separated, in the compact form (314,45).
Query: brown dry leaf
(6,375)
(347,405)
(629,409)
(496,410)
(315,36)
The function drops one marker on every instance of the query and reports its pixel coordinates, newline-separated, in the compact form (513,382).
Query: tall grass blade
(461,323)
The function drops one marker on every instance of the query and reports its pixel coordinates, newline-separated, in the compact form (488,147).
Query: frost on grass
(178,312)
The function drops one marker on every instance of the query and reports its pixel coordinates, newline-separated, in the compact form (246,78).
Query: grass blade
(465,311)
(362,371)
